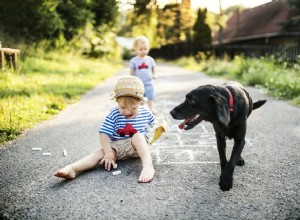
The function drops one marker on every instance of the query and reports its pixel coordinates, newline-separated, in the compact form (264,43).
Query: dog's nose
(173,112)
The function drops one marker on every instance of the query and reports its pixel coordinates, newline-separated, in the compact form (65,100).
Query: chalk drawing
(195,146)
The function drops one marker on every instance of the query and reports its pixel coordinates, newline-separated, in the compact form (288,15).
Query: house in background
(257,32)
(262,25)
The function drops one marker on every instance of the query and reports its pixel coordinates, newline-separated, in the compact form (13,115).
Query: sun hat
(130,86)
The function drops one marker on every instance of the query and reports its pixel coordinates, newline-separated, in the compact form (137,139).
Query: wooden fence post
(11,57)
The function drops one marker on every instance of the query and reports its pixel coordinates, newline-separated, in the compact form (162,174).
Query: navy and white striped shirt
(115,122)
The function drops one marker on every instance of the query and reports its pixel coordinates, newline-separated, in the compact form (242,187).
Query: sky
(213,5)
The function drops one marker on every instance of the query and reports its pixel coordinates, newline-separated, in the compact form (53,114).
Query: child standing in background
(142,66)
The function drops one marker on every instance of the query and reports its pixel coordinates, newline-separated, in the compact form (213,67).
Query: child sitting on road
(122,134)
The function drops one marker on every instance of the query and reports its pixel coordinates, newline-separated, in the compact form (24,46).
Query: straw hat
(130,86)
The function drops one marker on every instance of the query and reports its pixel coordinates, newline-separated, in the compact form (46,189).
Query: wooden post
(11,57)
(1,59)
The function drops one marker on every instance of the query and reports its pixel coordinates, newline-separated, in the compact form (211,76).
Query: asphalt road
(187,169)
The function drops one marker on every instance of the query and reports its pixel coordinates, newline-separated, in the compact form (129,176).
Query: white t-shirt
(142,68)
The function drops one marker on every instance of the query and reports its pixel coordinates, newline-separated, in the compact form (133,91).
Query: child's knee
(138,136)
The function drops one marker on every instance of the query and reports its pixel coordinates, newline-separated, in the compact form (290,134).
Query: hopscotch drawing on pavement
(197,145)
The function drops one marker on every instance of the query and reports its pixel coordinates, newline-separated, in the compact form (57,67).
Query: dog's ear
(221,108)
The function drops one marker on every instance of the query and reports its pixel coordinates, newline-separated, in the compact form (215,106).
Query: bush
(280,79)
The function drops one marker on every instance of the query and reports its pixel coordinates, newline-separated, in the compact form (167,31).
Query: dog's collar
(230,99)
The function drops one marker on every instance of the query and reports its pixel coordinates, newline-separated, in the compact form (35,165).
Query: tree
(293,24)
(74,15)
(60,22)
(30,20)
(202,32)
(144,20)
(105,12)
(97,37)
(169,24)
(295,3)
(187,20)
(175,23)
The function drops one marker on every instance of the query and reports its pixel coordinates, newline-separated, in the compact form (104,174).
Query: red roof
(264,20)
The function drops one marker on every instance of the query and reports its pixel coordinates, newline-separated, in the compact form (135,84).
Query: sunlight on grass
(282,80)
(44,86)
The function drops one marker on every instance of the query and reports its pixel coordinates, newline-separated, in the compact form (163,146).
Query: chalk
(65,153)
(115,166)
(116,172)
(36,148)
(46,154)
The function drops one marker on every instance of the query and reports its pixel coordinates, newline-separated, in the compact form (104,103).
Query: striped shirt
(142,68)
(114,123)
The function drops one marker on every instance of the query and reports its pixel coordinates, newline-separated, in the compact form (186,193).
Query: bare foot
(67,172)
(146,175)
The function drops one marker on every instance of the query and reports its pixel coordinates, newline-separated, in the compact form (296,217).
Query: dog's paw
(225,183)
(240,162)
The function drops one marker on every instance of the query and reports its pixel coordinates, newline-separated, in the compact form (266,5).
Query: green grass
(45,85)
(281,80)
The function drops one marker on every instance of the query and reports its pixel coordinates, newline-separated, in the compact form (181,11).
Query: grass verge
(43,86)
(281,80)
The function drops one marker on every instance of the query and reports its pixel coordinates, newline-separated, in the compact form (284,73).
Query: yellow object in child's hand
(162,127)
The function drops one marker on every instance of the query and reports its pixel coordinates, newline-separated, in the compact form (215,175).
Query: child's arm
(132,67)
(153,65)
(153,73)
(109,158)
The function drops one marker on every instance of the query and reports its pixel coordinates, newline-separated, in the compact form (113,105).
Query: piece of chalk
(116,172)
(36,148)
(115,166)
(65,153)
(46,154)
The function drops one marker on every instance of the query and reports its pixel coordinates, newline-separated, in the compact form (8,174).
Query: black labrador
(227,107)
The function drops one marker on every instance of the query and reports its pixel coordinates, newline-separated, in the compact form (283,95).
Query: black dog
(227,107)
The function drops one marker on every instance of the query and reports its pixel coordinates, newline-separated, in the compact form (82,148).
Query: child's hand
(108,160)
(154,76)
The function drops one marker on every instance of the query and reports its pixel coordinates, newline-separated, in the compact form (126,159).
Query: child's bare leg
(86,163)
(140,144)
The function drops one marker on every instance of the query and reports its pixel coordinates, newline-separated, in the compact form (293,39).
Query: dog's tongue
(182,124)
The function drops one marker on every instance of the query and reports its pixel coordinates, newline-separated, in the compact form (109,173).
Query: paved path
(186,183)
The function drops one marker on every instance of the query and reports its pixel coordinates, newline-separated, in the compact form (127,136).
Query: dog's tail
(258,104)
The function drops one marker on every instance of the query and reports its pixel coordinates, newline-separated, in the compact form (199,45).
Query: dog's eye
(191,101)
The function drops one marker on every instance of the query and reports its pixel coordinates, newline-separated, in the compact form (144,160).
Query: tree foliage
(295,3)
(187,20)
(59,22)
(175,23)
(293,24)
(105,12)
(143,20)
(74,15)
(202,31)
(169,24)
(31,20)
